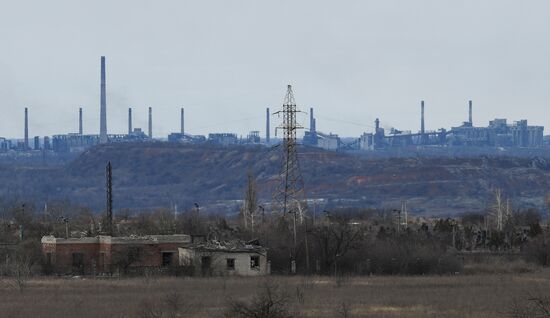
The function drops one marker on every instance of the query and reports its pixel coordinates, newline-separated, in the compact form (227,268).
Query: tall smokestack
(267,127)
(150,122)
(311,121)
(103,101)
(26,146)
(182,121)
(422,128)
(80,120)
(470,118)
(129,120)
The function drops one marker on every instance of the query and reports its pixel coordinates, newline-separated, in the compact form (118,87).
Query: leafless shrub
(271,302)
(149,308)
(343,310)
(306,283)
(150,275)
(176,306)
(18,273)
(171,305)
(535,306)
(224,283)
(342,280)
(300,295)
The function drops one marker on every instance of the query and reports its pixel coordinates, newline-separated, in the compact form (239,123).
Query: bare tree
(535,306)
(18,272)
(335,239)
(250,204)
(271,302)
(343,310)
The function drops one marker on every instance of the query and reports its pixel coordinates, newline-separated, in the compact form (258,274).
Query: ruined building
(119,255)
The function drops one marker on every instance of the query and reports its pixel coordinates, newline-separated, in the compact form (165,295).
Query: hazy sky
(225,61)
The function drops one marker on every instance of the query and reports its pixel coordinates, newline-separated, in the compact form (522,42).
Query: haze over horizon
(226,61)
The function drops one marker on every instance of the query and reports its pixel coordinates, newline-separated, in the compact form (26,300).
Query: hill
(150,175)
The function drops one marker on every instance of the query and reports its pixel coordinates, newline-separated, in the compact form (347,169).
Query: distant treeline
(338,242)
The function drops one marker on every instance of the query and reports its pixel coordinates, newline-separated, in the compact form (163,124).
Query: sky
(226,61)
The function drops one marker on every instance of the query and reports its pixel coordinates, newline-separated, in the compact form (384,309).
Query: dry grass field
(430,296)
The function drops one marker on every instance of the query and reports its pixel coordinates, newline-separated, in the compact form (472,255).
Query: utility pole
(197,207)
(263,213)
(109,177)
(398,212)
(453,224)
(314,211)
(65,220)
(406,216)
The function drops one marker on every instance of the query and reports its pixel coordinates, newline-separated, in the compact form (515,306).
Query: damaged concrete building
(233,258)
(118,255)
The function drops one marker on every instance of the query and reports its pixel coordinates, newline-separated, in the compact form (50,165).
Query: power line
(228,122)
(345,122)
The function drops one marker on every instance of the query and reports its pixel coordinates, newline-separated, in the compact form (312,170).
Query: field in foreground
(433,296)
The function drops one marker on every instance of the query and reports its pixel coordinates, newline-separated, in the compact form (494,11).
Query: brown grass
(430,296)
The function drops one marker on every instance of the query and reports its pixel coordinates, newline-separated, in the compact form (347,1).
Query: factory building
(74,142)
(328,142)
(136,134)
(498,134)
(5,144)
(36,144)
(224,139)
(253,137)
(186,138)
(366,141)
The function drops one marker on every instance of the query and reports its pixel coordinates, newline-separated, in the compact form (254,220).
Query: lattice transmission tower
(289,195)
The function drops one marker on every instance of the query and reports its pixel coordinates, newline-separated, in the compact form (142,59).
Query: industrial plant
(498,133)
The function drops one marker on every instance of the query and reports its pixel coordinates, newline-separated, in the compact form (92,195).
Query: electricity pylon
(289,195)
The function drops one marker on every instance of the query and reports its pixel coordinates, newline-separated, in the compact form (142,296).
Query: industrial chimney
(470,112)
(129,120)
(267,127)
(422,127)
(150,122)
(103,102)
(182,122)
(80,120)
(311,121)
(26,146)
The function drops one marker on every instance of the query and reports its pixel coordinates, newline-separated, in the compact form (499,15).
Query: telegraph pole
(109,177)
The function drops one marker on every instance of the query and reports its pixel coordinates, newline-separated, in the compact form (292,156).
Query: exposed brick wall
(63,257)
(105,257)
